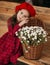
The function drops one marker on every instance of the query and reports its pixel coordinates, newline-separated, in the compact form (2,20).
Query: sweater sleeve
(10,29)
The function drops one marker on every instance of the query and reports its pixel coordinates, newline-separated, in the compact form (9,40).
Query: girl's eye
(21,12)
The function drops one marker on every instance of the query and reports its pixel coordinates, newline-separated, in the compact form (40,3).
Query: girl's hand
(24,22)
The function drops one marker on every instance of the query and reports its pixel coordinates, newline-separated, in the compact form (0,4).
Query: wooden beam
(29,62)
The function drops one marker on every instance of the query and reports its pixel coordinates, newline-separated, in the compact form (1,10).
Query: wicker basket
(32,52)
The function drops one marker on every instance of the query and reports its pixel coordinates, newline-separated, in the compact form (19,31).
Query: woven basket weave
(32,52)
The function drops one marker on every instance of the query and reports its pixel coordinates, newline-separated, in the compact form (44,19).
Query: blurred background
(43,3)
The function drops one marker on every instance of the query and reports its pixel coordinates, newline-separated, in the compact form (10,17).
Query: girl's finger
(26,21)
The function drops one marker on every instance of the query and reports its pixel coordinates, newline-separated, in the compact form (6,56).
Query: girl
(10,46)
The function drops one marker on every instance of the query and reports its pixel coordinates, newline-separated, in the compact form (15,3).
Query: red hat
(26,6)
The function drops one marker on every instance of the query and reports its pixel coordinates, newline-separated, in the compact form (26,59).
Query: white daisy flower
(46,39)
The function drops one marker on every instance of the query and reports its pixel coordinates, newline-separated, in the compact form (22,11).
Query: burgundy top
(10,46)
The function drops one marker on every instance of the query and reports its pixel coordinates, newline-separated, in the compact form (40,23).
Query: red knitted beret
(26,6)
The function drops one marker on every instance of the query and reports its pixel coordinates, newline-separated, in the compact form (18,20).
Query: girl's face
(22,14)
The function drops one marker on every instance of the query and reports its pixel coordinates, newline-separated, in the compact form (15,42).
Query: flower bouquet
(32,39)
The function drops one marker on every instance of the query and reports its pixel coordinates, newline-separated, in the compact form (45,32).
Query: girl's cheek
(22,18)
